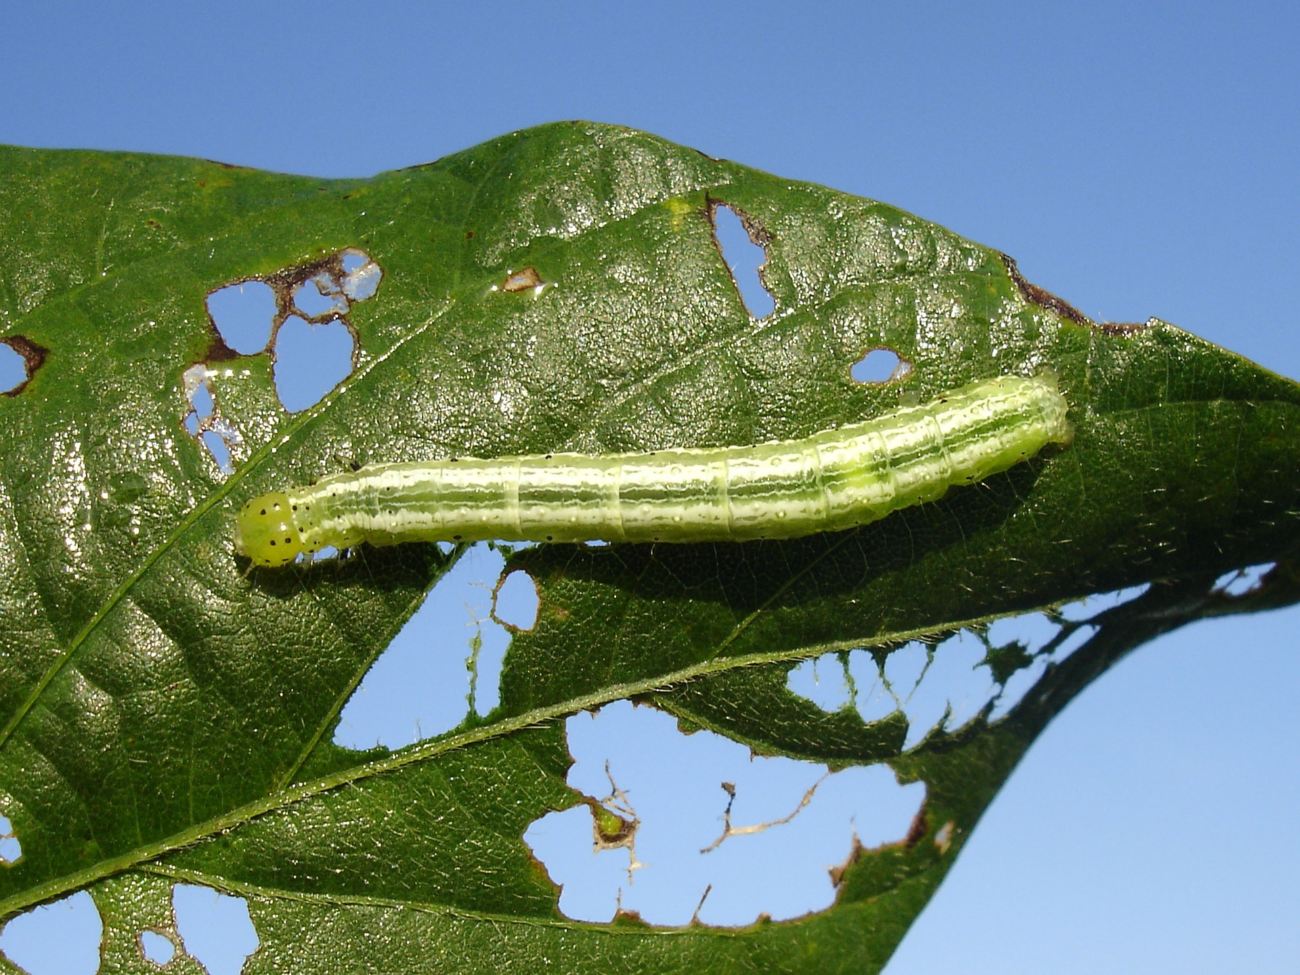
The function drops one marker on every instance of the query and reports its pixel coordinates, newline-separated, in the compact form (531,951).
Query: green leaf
(166,716)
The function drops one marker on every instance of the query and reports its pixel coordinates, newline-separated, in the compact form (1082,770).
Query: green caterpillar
(829,481)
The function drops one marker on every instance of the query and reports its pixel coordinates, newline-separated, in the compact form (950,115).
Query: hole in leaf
(943,836)
(945,686)
(1241,582)
(215,928)
(326,554)
(1017,686)
(361,275)
(738,240)
(880,365)
(19,359)
(1073,642)
(319,297)
(201,398)
(1091,606)
(59,938)
(204,422)
(13,369)
(310,361)
(931,681)
(1015,643)
(939,687)
(157,947)
(218,449)
(243,314)
(515,602)
(10,849)
(695,826)
(824,680)
(1032,630)
(449,654)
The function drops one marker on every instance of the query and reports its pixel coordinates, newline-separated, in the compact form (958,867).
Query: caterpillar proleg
(832,480)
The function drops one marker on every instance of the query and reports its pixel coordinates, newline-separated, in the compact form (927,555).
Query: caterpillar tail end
(1056,410)
(265,533)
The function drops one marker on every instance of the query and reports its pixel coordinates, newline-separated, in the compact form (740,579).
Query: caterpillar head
(265,532)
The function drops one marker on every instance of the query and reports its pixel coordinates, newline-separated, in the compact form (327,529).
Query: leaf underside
(167,716)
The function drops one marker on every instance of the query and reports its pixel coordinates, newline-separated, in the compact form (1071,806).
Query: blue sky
(1136,159)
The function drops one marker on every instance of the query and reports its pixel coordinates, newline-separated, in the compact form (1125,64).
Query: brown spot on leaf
(1122,328)
(524,279)
(1041,296)
(218,351)
(627,917)
(286,281)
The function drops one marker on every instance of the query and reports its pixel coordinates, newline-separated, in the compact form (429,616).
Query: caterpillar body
(832,480)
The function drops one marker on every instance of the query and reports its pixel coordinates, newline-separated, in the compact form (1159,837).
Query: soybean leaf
(168,715)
